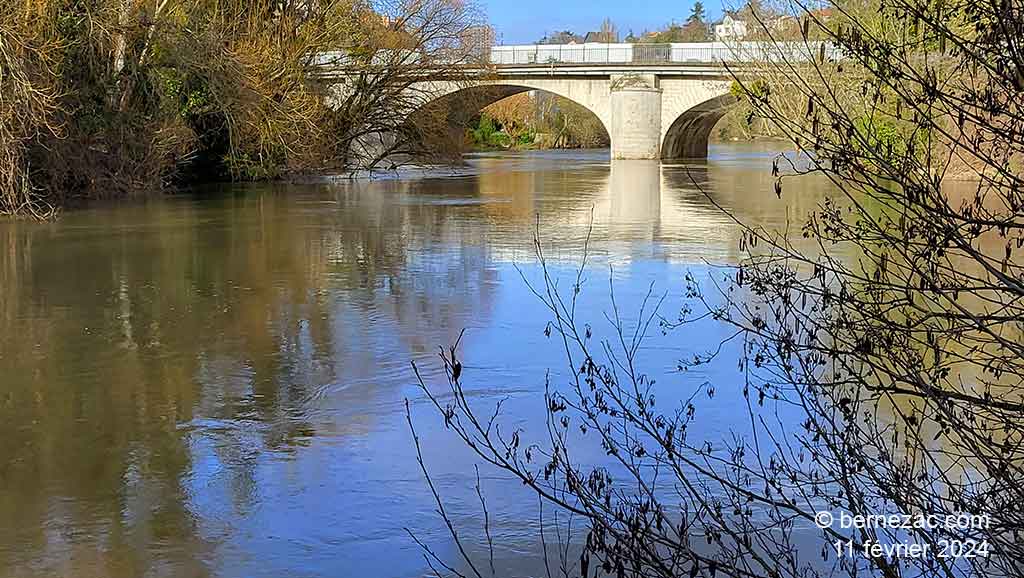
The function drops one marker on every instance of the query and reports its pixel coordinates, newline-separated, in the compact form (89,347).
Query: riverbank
(114,100)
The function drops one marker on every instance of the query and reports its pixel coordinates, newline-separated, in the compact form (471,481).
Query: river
(215,384)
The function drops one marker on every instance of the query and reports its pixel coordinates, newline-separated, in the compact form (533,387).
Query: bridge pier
(635,129)
(651,111)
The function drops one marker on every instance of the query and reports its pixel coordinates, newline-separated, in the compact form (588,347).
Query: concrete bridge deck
(656,101)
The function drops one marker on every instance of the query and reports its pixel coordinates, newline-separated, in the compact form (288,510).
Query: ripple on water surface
(215,384)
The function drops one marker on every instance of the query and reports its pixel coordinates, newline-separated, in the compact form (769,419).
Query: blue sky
(525,21)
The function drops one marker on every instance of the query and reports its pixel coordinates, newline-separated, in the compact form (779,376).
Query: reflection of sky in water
(300,312)
(338,505)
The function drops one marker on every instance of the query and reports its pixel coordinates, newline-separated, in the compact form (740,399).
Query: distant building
(563,37)
(823,14)
(478,40)
(785,25)
(477,36)
(607,36)
(732,27)
(739,24)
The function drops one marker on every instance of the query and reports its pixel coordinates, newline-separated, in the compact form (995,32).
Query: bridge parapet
(619,55)
(660,54)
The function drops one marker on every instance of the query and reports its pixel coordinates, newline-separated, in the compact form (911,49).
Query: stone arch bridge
(656,101)
(646,116)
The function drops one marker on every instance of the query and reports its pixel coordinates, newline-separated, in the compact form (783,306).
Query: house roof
(746,12)
(599,36)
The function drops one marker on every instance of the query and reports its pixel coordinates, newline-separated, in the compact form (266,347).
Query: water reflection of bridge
(204,348)
(635,205)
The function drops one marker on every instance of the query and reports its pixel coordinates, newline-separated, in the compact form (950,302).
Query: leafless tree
(29,103)
(881,349)
(392,77)
(113,98)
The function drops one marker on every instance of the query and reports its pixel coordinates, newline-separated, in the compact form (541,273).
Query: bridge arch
(593,96)
(687,136)
(690,110)
(646,116)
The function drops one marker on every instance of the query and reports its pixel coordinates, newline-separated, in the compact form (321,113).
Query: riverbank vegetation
(104,99)
(536,120)
(880,359)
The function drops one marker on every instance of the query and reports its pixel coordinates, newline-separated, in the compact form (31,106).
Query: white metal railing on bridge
(680,53)
(609,54)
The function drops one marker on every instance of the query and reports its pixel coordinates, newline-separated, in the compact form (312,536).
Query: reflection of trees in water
(80,450)
(707,192)
(131,334)
(436,275)
(147,348)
